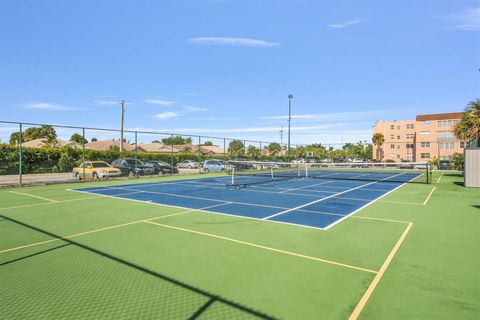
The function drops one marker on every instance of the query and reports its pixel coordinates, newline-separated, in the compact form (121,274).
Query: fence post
(83,153)
(136,150)
(224,147)
(199,154)
(171,154)
(20,164)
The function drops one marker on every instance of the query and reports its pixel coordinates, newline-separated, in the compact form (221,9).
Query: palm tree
(378,139)
(468,128)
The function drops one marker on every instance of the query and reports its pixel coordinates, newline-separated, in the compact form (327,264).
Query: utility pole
(281,135)
(122,113)
(290,97)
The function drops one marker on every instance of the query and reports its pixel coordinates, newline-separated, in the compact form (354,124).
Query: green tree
(14,139)
(274,149)
(208,143)
(378,139)
(253,152)
(457,161)
(468,128)
(236,148)
(176,140)
(78,138)
(94,139)
(156,141)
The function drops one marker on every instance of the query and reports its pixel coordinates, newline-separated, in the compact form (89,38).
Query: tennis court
(191,248)
(310,202)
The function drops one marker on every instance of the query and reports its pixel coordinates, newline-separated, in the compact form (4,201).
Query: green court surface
(413,254)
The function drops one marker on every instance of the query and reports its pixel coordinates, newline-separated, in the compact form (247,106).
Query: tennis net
(246,173)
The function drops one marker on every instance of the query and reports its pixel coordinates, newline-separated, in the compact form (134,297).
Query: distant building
(58,143)
(427,136)
(110,144)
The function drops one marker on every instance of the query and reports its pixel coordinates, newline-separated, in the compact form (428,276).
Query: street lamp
(290,97)
(122,114)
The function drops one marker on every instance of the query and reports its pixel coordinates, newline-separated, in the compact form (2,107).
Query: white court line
(326,198)
(305,187)
(33,196)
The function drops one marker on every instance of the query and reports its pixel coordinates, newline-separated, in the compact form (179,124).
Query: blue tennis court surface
(308,202)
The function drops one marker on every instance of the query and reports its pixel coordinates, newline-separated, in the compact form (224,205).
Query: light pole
(290,97)
(122,113)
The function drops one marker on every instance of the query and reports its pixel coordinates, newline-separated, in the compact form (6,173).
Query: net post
(83,154)
(233,175)
(428,172)
(306,170)
(271,172)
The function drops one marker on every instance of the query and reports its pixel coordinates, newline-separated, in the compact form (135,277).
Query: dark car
(444,165)
(161,167)
(240,163)
(131,167)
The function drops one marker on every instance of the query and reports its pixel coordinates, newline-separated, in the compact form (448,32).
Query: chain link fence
(42,154)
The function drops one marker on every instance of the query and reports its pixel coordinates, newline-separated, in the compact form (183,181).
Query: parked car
(188,164)
(240,163)
(95,170)
(357,163)
(422,165)
(405,164)
(214,165)
(161,167)
(131,167)
(444,165)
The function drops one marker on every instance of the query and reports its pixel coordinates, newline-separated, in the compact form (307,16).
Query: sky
(225,68)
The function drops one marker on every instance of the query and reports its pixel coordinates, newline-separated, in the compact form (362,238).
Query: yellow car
(95,170)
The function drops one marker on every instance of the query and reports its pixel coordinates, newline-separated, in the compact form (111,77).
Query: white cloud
(345,24)
(330,116)
(48,106)
(244,42)
(194,109)
(160,102)
(166,115)
(468,20)
(258,129)
(107,102)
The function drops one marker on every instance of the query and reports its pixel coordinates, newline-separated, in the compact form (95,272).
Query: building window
(425,144)
(398,156)
(410,126)
(398,137)
(445,135)
(425,155)
(462,145)
(398,127)
(410,157)
(392,137)
(392,146)
(410,146)
(410,136)
(392,127)
(398,146)
(446,123)
(392,155)
(447,145)
(425,122)
(425,133)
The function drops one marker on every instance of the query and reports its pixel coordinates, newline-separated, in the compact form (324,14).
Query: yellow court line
(263,247)
(91,231)
(381,219)
(401,202)
(361,304)
(429,195)
(439,178)
(33,196)
(49,203)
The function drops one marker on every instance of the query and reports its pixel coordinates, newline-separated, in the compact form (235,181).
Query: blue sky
(225,68)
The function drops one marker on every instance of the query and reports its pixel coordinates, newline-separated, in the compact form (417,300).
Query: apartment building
(427,136)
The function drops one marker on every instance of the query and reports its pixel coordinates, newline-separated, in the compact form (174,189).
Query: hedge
(52,160)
